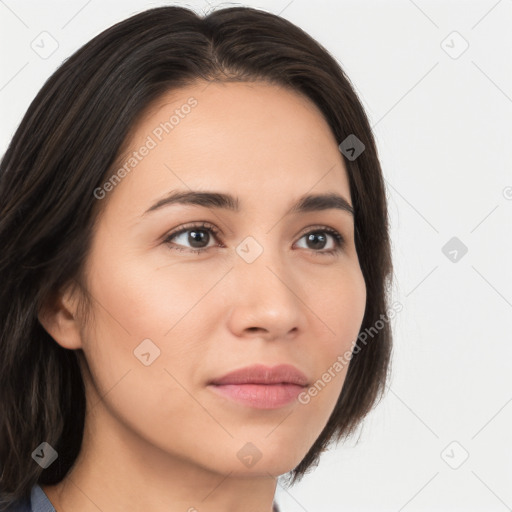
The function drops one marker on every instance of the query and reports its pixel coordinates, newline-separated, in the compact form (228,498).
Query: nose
(267,299)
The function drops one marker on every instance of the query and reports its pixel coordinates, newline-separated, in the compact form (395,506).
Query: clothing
(39,502)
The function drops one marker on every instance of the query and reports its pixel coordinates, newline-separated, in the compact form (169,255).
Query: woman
(194,232)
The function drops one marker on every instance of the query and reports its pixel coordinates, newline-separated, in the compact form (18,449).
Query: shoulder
(38,502)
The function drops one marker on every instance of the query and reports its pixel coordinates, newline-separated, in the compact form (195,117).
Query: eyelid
(201,225)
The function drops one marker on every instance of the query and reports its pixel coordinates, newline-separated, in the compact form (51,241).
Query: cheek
(152,294)
(341,305)
(134,308)
(137,299)
(132,297)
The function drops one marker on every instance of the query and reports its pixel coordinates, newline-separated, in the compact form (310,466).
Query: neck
(118,470)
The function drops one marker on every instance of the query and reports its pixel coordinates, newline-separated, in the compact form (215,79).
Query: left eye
(319,237)
(198,237)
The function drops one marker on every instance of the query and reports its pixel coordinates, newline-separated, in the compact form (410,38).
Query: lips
(260,386)
(261,374)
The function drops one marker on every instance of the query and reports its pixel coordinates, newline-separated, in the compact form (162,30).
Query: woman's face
(167,321)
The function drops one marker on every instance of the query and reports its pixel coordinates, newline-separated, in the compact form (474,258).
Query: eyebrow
(219,200)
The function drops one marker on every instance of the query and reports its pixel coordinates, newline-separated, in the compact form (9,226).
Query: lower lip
(260,396)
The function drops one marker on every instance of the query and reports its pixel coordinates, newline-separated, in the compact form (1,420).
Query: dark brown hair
(67,145)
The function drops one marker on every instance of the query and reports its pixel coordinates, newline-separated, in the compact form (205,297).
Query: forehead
(262,140)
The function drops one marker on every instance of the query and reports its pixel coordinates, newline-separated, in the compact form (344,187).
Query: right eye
(196,234)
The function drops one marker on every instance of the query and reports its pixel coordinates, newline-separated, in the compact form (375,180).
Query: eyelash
(338,238)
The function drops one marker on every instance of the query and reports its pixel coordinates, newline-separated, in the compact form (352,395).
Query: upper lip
(261,374)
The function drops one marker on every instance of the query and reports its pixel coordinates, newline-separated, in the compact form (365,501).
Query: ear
(59,318)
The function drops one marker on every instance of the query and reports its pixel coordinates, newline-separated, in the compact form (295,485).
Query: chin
(268,456)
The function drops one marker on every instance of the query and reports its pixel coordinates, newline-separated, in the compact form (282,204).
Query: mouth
(261,387)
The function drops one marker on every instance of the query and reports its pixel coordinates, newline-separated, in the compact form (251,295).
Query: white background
(442,126)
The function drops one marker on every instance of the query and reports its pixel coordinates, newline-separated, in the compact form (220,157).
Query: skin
(156,437)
